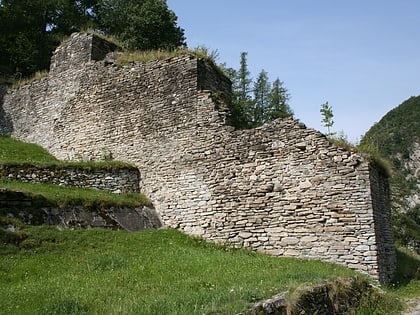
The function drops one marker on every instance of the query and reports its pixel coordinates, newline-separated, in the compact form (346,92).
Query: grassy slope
(150,272)
(13,151)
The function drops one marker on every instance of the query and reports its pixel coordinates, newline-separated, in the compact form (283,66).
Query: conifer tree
(254,107)
(242,100)
(260,108)
(278,102)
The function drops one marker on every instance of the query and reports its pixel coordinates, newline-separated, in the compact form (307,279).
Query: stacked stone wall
(116,180)
(37,210)
(281,188)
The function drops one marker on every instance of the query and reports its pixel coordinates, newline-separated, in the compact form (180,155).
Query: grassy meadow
(98,271)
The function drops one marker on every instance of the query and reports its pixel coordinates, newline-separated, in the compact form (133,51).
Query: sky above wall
(363,57)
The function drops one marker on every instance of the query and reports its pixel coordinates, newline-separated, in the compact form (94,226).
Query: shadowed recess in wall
(6,127)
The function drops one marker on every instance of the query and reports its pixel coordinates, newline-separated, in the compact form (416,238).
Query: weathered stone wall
(36,210)
(116,180)
(281,188)
(382,218)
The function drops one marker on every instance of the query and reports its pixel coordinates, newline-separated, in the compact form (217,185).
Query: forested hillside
(397,137)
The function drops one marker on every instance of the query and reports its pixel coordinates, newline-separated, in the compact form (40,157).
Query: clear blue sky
(362,56)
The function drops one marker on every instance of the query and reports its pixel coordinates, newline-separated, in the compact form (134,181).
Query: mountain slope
(397,137)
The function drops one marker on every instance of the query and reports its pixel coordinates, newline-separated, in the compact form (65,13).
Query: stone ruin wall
(115,179)
(281,188)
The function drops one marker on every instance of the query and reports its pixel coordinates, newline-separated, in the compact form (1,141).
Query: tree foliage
(278,102)
(327,117)
(141,24)
(260,106)
(259,102)
(397,130)
(31,29)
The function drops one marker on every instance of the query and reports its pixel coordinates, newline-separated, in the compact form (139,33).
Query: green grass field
(151,272)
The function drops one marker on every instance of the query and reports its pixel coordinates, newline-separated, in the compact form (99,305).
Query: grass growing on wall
(27,80)
(16,152)
(200,52)
(19,153)
(66,195)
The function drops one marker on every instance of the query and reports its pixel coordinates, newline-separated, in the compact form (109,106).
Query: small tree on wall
(327,117)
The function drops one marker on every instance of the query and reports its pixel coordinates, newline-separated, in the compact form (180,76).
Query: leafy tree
(73,16)
(407,227)
(278,102)
(22,32)
(259,114)
(327,117)
(141,24)
(31,29)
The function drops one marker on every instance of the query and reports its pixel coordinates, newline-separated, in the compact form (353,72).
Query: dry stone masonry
(37,210)
(281,188)
(114,179)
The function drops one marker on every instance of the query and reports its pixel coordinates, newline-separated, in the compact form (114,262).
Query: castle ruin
(281,189)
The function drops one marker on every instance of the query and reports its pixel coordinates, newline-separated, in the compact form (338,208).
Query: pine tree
(261,100)
(278,102)
(241,101)
(252,108)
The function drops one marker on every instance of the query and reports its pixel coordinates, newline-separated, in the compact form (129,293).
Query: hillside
(397,137)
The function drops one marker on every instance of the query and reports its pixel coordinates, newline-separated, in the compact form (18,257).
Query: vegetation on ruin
(256,103)
(141,56)
(27,80)
(94,271)
(66,195)
(15,152)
